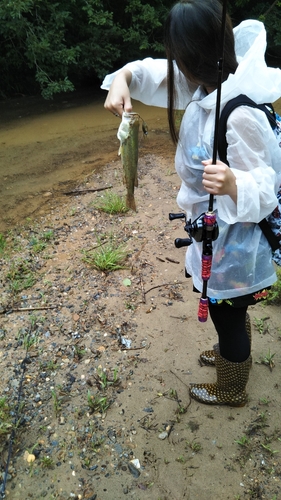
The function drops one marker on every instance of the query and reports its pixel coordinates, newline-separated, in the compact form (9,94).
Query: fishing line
(218,101)
(24,362)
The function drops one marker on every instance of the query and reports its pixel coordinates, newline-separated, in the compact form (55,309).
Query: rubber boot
(208,357)
(231,383)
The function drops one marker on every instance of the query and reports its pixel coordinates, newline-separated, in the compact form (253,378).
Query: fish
(128,135)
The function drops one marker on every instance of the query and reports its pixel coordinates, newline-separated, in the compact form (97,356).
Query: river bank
(46,145)
(106,359)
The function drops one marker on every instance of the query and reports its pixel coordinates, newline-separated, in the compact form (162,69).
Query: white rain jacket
(242,257)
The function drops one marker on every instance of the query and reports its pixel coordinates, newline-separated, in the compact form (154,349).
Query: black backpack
(271,232)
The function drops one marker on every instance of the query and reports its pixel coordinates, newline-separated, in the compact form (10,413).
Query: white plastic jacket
(242,258)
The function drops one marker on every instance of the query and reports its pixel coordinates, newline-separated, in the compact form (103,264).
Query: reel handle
(176,216)
(182,242)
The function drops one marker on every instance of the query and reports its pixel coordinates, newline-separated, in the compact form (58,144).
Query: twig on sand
(160,286)
(131,348)
(172,260)
(187,406)
(142,290)
(85,191)
(20,309)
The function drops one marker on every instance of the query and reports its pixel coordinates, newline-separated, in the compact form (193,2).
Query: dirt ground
(102,362)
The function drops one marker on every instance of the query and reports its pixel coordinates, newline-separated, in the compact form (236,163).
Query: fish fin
(144,128)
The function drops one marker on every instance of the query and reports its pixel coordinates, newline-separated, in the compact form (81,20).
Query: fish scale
(128,134)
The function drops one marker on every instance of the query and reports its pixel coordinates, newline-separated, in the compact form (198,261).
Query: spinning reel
(204,228)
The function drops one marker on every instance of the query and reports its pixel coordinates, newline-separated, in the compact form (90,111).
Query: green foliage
(54,46)
(268,359)
(105,380)
(109,257)
(243,441)
(38,244)
(111,203)
(2,243)
(7,421)
(20,276)
(269,12)
(97,403)
(5,418)
(274,295)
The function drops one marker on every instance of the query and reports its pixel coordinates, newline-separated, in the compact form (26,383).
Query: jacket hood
(252,77)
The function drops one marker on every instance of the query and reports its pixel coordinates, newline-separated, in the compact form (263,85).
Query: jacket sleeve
(254,156)
(149,83)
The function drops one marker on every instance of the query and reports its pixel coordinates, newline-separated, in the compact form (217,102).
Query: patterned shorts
(245,300)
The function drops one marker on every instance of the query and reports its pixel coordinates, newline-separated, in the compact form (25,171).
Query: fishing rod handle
(203,310)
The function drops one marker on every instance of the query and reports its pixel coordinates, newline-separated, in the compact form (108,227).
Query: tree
(54,45)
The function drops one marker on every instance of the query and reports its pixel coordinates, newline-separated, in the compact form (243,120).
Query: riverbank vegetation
(53,47)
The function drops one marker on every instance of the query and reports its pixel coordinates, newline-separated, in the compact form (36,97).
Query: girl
(242,269)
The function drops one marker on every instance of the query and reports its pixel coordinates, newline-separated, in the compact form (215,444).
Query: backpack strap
(243,100)
(240,100)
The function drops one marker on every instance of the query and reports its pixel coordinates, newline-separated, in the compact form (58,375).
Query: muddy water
(47,146)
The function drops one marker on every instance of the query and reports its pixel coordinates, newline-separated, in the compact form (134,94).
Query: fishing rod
(210,216)
(205,228)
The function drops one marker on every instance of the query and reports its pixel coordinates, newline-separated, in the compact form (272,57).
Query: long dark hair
(192,40)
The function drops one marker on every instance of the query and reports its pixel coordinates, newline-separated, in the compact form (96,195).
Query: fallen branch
(142,290)
(130,348)
(172,260)
(85,191)
(175,375)
(161,260)
(20,309)
(160,286)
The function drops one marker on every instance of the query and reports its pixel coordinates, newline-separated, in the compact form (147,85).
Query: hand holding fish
(219,179)
(118,97)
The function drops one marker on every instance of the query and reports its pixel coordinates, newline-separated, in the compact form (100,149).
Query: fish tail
(130,202)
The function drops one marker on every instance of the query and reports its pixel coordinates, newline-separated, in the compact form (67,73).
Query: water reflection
(46,144)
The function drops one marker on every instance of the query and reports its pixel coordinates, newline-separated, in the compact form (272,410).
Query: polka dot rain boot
(230,388)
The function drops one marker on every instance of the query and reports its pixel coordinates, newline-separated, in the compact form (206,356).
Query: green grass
(108,257)
(6,422)
(20,276)
(38,244)
(105,380)
(274,295)
(2,243)
(268,359)
(97,403)
(47,462)
(243,441)
(111,203)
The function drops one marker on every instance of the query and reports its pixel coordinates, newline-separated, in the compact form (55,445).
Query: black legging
(230,325)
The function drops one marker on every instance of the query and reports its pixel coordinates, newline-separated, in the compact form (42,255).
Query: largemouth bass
(128,135)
